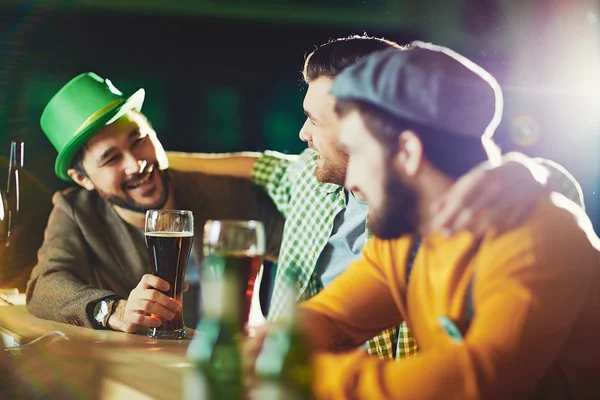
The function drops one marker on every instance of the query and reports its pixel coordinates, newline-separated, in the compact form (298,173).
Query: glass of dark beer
(235,249)
(169,238)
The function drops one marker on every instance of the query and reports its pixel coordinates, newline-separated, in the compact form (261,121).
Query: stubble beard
(126,202)
(333,171)
(328,173)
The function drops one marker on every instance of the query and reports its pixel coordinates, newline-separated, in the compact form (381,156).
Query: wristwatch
(102,311)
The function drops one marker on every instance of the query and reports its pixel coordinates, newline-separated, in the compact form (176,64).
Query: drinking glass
(232,248)
(169,237)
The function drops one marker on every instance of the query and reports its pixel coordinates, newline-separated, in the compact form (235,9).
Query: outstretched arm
(237,165)
(273,171)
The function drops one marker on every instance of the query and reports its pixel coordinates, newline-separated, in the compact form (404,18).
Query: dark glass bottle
(13,194)
(283,366)
(216,348)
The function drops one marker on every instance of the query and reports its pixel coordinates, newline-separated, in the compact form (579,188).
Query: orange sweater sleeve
(358,304)
(529,289)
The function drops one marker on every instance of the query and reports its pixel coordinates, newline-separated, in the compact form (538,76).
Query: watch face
(101,311)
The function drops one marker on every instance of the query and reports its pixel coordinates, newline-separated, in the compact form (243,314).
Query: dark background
(225,75)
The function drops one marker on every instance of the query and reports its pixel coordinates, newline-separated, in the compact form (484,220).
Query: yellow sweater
(536,326)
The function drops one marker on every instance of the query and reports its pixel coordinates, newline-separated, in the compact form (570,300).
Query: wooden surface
(132,366)
(24,327)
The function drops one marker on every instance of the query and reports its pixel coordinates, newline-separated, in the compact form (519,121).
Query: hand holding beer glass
(169,237)
(234,249)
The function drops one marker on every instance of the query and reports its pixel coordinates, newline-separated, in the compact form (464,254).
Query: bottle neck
(15,163)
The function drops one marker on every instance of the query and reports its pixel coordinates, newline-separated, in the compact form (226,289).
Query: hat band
(97,114)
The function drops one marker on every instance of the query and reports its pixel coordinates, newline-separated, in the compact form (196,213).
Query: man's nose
(134,165)
(305,134)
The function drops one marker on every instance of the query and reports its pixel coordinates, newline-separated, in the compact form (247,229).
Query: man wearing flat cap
(510,315)
(326,226)
(93,268)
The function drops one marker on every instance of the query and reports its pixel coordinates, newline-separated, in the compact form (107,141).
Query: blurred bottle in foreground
(25,205)
(215,349)
(283,366)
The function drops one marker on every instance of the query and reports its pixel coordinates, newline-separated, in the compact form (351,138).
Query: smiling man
(141,185)
(326,225)
(93,266)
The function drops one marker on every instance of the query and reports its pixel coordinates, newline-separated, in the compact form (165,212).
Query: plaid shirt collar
(329,187)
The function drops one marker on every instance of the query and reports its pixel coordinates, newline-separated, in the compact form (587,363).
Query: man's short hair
(77,163)
(452,154)
(333,57)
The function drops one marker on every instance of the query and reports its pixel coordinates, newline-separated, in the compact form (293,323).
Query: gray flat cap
(429,85)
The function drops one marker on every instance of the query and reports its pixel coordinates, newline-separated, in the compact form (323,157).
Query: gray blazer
(90,253)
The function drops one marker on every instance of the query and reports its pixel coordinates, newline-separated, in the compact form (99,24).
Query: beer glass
(235,249)
(169,237)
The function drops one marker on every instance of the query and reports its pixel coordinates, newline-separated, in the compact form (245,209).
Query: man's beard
(126,202)
(331,172)
(328,173)
(397,215)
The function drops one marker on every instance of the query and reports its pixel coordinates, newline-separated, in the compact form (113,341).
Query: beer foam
(170,234)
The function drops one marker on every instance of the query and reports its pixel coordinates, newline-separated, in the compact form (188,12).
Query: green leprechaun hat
(80,109)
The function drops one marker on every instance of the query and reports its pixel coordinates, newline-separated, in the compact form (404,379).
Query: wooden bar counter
(118,365)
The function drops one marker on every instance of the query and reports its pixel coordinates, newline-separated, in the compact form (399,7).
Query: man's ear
(410,153)
(80,179)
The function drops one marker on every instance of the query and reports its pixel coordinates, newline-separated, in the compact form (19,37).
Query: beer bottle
(13,196)
(215,349)
(283,366)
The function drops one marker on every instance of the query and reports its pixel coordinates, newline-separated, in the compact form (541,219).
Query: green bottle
(283,366)
(215,349)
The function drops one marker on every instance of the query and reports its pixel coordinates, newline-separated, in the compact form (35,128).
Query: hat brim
(66,155)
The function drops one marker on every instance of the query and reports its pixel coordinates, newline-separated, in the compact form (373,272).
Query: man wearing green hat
(92,267)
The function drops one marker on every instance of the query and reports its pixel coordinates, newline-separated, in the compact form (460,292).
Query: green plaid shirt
(310,208)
